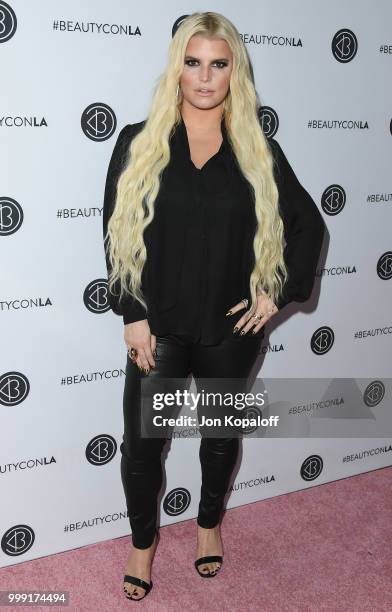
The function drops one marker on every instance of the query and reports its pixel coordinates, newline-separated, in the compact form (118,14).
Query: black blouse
(200,242)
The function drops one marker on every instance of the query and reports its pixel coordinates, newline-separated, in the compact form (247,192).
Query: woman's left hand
(264,307)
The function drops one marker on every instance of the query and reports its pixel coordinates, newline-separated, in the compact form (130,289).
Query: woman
(197,206)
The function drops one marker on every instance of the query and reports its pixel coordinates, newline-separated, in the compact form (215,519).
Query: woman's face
(206,75)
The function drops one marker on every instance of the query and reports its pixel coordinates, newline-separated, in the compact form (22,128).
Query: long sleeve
(130,309)
(304,230)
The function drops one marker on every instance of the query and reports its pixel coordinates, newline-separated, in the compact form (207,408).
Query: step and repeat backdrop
(72,75)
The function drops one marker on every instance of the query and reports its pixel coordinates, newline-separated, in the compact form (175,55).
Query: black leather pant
(141,466)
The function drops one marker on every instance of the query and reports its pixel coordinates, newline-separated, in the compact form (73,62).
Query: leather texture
(141,461)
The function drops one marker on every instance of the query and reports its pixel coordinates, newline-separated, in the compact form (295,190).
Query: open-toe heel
(209,559)
(147,586)
(140,583)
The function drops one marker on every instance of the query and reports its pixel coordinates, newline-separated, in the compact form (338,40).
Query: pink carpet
(327,548)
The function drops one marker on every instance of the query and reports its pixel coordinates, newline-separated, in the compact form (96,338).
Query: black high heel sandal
(137,582)
(209,559)
(147,586)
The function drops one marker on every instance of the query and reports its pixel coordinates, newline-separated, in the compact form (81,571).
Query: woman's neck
(201,120)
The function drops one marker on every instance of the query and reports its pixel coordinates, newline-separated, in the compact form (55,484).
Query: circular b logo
(250,412)
(344,45)
(322,340)
(333,200)
(17,540)
(11,216)
(95,296)
(101,449)
(269,120)
(374,393)
(311,467)
(98,122)
(14,388)
(176,501)
(7,22)
(384,266)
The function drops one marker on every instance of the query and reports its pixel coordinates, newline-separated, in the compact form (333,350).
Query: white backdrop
(69,83)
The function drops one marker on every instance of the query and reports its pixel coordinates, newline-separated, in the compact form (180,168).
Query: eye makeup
(222,63)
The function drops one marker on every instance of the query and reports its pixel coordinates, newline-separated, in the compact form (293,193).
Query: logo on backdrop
(250,412)
(374,393)
(8,22)
(98,121)
(253,482)
(177,23)
(333,200)
(271,348)
(14,388)
(322,340)
(17,540)
(269,120)
(312,467)
(101,449)
(11,216)
(176,501)
(344,45)
(23,303)
(26,464)
(95,296)
(384,266)
(337,270)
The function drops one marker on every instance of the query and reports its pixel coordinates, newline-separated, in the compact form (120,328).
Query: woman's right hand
(138,336)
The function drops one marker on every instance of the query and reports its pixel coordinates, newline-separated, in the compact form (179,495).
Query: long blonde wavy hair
(149,153)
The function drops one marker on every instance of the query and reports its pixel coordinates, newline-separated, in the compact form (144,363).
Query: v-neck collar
(181,145)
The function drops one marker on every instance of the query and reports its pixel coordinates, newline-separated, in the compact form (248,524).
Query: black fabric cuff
(133,311)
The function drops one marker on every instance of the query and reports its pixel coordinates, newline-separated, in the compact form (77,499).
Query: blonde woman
(207,234)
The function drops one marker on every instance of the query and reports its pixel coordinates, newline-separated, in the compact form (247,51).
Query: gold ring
(132,352)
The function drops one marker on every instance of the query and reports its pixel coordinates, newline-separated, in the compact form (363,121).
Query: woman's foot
(209,543)
(139,565)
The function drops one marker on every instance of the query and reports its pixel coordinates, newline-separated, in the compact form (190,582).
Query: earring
(178,90)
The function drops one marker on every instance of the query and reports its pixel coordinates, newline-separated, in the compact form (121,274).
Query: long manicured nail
(236,330)
(229,313)
(243,332)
